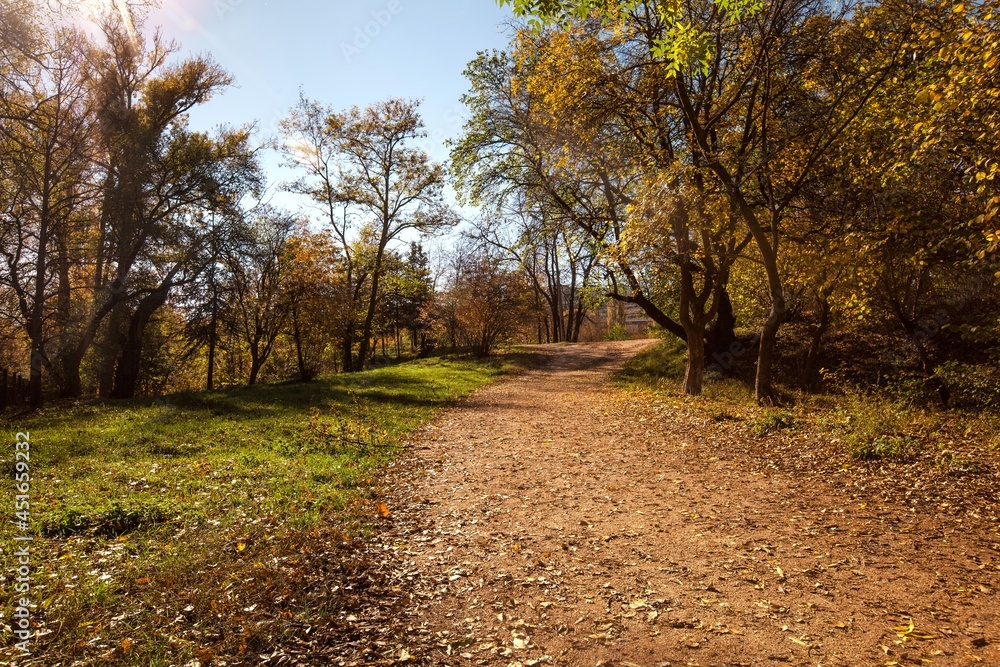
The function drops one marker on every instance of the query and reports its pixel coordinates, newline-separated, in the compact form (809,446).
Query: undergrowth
(883,424)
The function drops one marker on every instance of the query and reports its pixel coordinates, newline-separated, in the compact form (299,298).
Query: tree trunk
(723,331)
(571,309)
(109,350)
(366,332)
(931,378)
(692,315)
(694,371)
(126,383)
(213,335)
(811,370)
(71,354)
(764,388)
(71,384)
(558,312)
(347,348)
(255,365)
(304,374)
(35,376)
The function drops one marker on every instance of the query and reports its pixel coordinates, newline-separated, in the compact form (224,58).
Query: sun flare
(96,9)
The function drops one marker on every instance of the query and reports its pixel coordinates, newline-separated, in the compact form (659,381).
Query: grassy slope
(138,502)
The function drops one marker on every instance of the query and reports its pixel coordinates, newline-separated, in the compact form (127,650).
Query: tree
(225,170)
(548,128)
(154,172)
(761,92)
(47,160)
(259,266)
(407,289)
(317,298)
(486,302)
(368,180)
(557,258)
(951,113)
(389,183)
(514,156)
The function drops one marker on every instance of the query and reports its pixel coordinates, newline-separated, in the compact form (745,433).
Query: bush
(772,421)
(617,332)
(876,429)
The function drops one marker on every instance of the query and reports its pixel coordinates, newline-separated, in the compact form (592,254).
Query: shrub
(617,332)
(771,421)
(876,429)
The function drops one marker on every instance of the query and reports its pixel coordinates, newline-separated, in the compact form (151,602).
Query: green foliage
(683,45)
(617,332)
(875,428)
(772,421)
(977,386)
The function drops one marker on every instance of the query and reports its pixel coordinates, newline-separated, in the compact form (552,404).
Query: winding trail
(553,519)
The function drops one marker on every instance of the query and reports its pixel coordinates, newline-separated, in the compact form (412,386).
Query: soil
(555,519)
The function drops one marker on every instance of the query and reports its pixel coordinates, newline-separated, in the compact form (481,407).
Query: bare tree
(372,183)
(258,270)
(45,171)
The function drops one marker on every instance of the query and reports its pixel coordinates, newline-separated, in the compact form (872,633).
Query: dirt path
(552,519)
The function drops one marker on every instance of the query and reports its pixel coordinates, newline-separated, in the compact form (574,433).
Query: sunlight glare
(95,9)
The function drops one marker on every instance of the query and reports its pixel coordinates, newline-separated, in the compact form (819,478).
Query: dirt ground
(554,519)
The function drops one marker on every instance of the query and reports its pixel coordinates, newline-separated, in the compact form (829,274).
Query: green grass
(163,490)
(661,366)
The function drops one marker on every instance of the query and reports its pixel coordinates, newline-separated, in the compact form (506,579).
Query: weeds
(884,447)
(772,421)
(617,332)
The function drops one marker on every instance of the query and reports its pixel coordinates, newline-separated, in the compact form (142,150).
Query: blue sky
(341,52)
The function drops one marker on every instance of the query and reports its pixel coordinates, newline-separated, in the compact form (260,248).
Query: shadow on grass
(200,422)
